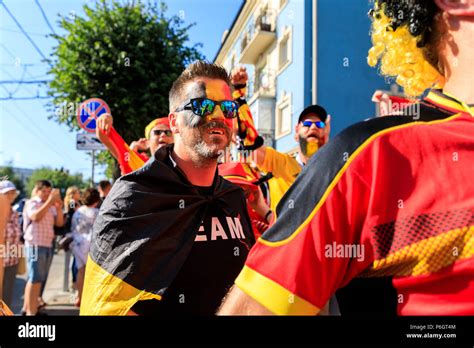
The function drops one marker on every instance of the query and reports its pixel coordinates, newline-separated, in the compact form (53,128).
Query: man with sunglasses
(172,236)
(130,158)
(311,133)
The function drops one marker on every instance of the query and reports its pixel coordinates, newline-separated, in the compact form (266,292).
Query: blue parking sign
(89,111)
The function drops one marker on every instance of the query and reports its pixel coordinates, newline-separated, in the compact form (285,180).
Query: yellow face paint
(311,148)
(217,90)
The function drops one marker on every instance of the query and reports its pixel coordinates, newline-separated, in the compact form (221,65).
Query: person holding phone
(42,212)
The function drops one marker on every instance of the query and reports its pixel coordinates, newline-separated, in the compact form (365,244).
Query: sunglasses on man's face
(205,107)
(318,124)
(158,132)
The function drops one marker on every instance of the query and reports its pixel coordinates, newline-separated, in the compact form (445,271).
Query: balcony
(265,84)
(259,35)
(262,85)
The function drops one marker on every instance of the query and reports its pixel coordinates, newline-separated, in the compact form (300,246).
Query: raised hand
(239,76)
(105,122)
(141,144)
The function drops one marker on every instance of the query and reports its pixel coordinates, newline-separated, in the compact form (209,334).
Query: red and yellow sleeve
(129,160)
(281,165)
(301,261)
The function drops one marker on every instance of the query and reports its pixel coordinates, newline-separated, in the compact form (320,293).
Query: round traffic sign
(89,111)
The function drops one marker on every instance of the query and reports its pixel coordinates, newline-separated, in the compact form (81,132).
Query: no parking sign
(89,111)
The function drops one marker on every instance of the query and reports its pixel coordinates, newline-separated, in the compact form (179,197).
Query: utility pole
(93,163)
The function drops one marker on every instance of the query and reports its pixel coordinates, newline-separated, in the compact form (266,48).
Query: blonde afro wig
(401,31)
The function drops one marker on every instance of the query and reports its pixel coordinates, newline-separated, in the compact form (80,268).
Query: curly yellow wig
(400,29)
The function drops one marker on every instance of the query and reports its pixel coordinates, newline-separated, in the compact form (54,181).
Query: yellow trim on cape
(106,294)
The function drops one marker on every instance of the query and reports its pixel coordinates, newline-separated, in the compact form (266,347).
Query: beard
(206,149)
(308,148)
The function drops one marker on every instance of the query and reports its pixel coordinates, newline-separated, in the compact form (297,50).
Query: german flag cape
(144,233)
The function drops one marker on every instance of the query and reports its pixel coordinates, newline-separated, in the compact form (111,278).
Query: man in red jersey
(392,199)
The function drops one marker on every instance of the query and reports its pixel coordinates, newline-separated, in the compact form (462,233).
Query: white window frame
(287,35)
(285,102)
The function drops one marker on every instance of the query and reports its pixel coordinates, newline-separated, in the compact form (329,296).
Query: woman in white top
(81,228)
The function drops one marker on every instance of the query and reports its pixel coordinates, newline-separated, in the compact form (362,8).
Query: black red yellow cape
(144,233)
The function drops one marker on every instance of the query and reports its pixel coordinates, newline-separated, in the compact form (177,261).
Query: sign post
(89,142)
(93,163)
(87,115)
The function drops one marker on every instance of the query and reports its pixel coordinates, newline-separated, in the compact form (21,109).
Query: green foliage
(128,55)
(113,169)
(8,174)
(59,178)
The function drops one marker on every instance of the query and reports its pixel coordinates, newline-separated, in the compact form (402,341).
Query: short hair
(41,184)
(90,196)
(200,68)
(103,184)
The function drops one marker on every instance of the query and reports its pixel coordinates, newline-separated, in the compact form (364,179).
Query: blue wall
(292,79)
(345,92)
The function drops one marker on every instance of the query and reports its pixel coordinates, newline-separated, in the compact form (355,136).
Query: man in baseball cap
(311,132)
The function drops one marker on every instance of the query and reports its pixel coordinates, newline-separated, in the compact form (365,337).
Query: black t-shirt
(216,258)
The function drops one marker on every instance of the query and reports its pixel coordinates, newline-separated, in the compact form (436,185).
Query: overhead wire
(44,16)
(23,31)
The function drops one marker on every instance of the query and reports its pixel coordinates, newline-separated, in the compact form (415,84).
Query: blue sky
(27,138)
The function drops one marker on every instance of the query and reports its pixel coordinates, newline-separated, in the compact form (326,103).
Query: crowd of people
(378,220)
(33,235)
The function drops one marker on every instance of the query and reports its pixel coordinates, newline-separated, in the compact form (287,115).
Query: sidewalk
(59,302)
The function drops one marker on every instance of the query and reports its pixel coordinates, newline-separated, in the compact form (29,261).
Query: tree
(7,173)
(128,55)
(58,177)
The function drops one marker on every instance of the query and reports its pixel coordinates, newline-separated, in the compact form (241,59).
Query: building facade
(302,52)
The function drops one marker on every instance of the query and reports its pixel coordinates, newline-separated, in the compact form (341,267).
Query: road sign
(88,141)
(89,111)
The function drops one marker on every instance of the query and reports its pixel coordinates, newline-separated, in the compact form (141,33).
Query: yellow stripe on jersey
(273,296)
(426,256)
